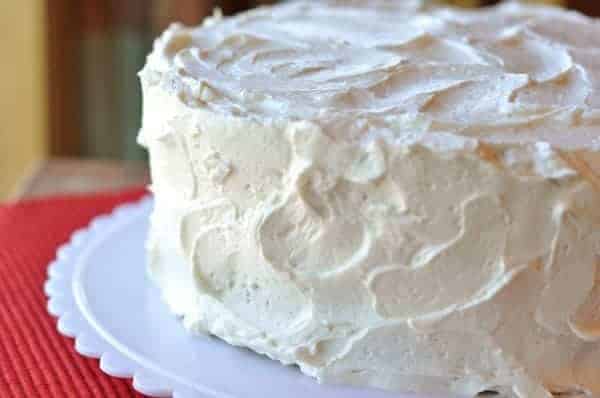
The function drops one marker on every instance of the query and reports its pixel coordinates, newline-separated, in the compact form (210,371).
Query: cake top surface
(507,74)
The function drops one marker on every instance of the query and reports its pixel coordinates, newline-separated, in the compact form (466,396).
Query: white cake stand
(97,287)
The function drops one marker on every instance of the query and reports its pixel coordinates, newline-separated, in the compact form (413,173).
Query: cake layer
(386,195)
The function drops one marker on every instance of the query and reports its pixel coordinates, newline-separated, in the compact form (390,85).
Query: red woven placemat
(35,360)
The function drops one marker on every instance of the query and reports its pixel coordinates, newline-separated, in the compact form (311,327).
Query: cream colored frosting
(388,194)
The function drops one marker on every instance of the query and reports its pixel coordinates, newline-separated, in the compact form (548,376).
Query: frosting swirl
(512,73)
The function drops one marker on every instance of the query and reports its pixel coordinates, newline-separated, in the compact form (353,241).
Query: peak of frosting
(511,73)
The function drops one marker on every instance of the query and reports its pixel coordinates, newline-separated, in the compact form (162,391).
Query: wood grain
(589,7)
(63,54)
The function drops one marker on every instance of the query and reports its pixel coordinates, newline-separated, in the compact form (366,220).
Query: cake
(387,194)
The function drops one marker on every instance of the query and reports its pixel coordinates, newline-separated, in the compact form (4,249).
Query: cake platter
(98,289)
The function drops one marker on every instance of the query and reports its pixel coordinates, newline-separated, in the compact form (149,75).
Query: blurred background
(70,104)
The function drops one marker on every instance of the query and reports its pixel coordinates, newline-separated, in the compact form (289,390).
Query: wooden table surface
(71,176)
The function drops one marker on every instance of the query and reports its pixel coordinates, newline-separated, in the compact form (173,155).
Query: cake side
(421,270)
(397,255)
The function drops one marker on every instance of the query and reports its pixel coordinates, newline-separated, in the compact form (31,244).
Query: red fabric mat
(35,360)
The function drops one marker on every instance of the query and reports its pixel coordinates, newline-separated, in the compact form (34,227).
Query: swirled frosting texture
(386,194)
(510,73)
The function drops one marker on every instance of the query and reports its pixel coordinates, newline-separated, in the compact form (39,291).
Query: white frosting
(384,194)
(510,73)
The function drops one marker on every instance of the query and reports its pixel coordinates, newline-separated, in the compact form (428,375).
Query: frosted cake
(386,194)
